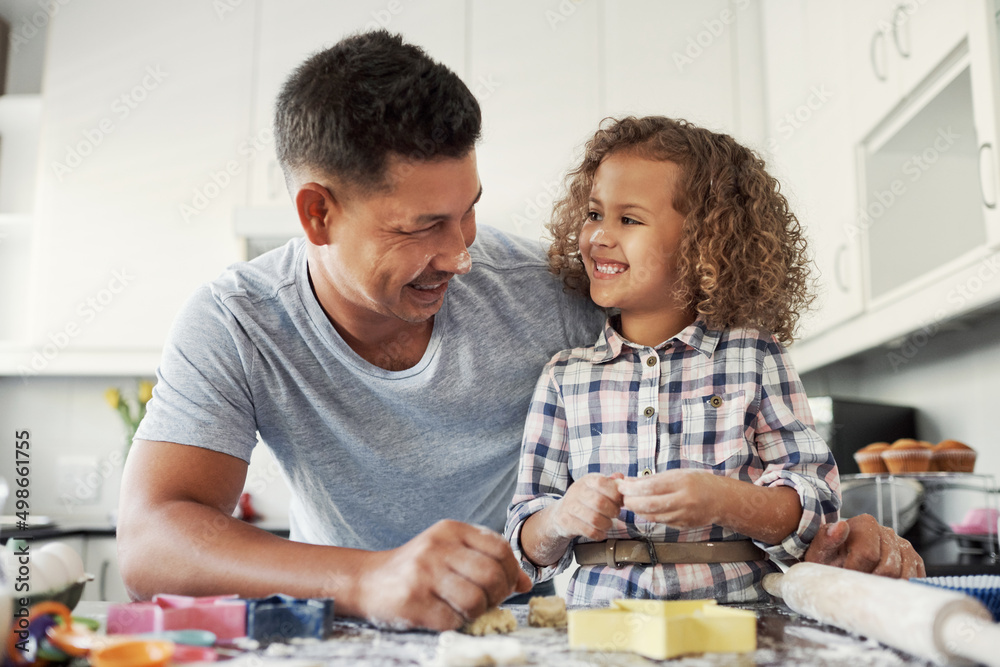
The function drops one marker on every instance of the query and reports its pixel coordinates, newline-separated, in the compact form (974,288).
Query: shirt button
(650,411)
(646,472)
(651,360)
(715,401)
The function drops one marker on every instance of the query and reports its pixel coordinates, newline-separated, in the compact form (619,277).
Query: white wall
(70,423)
(67,418)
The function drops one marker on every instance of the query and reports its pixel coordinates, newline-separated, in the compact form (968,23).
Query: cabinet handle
(838,264)
(879,36)
(986,176)
(900,9)
(104,580)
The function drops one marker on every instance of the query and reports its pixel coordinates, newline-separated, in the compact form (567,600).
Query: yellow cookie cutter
(662,629)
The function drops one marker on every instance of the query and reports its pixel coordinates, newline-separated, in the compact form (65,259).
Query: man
(385,360)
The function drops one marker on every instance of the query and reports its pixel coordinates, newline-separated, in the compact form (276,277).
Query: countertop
(98,526)
(783,638)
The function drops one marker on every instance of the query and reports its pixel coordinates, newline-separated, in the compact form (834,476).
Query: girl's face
(630,239)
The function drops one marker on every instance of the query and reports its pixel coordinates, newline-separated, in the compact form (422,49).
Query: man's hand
(588,509)
(860,543)
(681,498)
(447,575)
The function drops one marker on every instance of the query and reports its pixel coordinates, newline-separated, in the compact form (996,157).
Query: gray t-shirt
(372,456)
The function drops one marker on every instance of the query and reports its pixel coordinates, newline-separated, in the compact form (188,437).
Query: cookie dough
(455,650)
(494,621)
(547,612)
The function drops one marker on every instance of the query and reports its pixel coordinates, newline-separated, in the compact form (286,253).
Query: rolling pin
(945,626)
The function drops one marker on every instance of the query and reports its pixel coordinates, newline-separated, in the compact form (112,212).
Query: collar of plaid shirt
(610,343)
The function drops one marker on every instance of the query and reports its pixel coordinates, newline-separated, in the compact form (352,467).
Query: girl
(676,456)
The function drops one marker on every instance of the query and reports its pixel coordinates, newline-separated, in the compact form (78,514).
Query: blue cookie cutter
(281,617)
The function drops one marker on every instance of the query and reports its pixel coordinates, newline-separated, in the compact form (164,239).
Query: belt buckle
(651,548)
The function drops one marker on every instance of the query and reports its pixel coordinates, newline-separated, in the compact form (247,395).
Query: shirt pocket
(713,428)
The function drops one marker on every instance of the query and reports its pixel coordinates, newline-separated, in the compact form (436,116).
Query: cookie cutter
(223,615)
(661,629)
(282,617)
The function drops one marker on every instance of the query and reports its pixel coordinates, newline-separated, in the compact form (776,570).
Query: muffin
(870,458)
(907,455)
(954,456)
(933,465)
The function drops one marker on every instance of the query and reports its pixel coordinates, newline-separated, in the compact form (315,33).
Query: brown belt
(614,553)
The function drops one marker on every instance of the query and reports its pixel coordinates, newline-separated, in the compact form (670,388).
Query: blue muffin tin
(983,587)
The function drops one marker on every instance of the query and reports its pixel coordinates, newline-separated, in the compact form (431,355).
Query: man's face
(392,254)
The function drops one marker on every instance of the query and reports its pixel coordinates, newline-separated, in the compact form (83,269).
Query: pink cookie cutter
(224,615)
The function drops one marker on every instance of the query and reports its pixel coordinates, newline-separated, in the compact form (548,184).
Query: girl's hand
(588,509)
(681,498)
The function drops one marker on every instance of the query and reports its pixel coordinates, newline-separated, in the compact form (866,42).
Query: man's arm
(176,534)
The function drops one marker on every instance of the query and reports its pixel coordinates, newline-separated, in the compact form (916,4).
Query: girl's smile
(608,269)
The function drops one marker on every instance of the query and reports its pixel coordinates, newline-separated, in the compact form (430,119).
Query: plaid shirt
(588,415)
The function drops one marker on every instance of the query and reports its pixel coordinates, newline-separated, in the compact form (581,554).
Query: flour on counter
(457,650)
(357,643)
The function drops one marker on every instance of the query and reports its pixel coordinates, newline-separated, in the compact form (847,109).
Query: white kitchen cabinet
(872,56)
(809,147)
(921,192)
(15,267)
(928,30)
(102,561)
(892,45)
(145,107)
(923,212)
(984,52)
(20,117)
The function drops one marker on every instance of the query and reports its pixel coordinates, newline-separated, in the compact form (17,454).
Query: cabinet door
(926,32)
(102,562)
(873,59)
(145,108)
(291,30)
(984,52)
(539,66)
(810,150)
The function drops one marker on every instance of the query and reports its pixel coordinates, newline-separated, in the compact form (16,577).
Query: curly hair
(742,260)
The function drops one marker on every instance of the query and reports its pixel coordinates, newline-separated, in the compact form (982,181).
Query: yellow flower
(145,391)
(113,398)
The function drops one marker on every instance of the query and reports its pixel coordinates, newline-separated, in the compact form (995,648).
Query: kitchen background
(136,162)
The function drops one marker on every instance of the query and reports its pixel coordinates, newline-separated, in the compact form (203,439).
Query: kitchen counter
(58,528)
(95,526)
(783,638)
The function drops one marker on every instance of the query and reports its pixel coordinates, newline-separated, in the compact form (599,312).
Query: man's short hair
(349,108)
